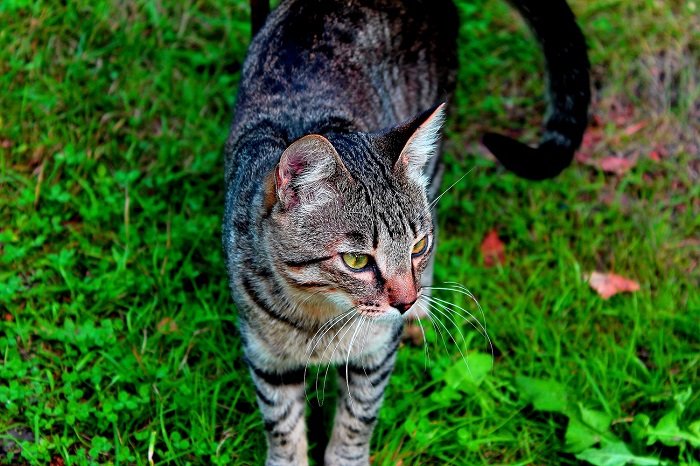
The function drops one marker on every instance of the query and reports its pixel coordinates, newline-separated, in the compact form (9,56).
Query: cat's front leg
(282,403)
(358,407)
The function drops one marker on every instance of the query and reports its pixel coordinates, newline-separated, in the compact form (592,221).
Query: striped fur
(332,151)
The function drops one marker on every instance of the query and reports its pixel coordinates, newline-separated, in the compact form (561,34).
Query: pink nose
(402,293)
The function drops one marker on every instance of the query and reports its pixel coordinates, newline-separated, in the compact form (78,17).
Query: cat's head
(348,217)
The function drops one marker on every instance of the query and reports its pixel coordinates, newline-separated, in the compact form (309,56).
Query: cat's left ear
(416,142)
(304,174)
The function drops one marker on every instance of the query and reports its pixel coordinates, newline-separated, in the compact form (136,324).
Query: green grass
(117,331)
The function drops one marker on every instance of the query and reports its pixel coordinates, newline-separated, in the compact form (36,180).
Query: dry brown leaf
(492,249)
(630,130)
(591,140)
(616,165)
(413,333)
(609,284)
(166,325)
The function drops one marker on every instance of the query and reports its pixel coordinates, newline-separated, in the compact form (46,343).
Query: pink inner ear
(295,164)
(290,166)
(279,179)
(284,193)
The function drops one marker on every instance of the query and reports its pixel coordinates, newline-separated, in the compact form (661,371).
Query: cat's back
(367,63)
(320,66)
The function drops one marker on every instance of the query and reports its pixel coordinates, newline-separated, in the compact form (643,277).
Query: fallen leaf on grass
(616,165)
(591,140)
(630,130)
(167,325)
(609,164)
(413,333)
(492,249)
(592,137)
(609,284)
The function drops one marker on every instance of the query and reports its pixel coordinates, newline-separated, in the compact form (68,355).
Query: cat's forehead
(389,214)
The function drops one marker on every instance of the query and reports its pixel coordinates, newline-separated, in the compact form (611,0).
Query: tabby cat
(330,169)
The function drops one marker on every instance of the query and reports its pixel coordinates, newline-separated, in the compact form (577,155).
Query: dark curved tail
(259,9)
(569,94)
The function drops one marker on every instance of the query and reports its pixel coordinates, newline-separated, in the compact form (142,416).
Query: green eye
(355,261)
(420,246)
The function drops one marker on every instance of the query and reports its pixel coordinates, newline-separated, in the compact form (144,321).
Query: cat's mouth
(375,310)
(372,312)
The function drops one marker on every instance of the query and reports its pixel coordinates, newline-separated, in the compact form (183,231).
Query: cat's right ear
(422,145)
(413,143)
(304,172)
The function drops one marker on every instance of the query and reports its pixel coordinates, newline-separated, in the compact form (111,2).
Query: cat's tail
(259,9)
(569,94)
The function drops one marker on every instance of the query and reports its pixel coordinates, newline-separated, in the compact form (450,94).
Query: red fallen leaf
(630,130)
(609,284)
(166,325)
(591,139)
(657,153)
(616,165)
(492,249)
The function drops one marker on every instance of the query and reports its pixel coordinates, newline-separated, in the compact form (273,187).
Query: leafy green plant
(589,433)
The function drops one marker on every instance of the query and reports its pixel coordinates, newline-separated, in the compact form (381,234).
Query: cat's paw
(344,456)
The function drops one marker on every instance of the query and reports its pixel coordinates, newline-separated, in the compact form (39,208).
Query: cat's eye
(420,247)
(355,261)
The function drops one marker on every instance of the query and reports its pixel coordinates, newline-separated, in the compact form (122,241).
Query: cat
(330,169)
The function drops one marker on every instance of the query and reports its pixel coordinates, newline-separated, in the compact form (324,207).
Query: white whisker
(347,358)
(437,305)
(370,322)
(311,348)
(434,307)
(328,366)
(352,315)
(469,317)
(481,329)
(435,201)
(426,364)
(472,297)
(432,320)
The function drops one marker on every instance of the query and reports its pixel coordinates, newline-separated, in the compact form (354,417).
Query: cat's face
(357,237)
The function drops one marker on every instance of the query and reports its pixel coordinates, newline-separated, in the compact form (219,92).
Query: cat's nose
(401,292)
(403,307)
